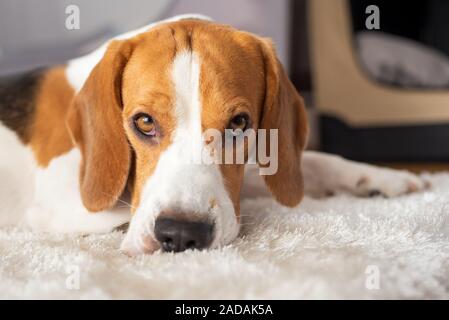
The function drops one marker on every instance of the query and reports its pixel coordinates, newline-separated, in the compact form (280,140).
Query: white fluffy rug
(341,247)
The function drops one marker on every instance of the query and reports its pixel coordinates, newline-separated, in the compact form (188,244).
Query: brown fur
(49,135)
(284,110)
(104,147)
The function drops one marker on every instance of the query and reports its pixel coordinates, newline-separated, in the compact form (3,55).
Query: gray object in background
(402,62)
(268,18)
(33,33)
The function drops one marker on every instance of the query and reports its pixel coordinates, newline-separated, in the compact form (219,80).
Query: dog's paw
(374,181)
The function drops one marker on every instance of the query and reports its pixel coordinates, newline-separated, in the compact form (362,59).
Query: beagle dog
(103,140)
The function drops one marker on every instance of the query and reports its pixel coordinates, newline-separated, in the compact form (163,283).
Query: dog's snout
(179,235)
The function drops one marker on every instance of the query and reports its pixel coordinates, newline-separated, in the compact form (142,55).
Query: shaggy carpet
(339,247)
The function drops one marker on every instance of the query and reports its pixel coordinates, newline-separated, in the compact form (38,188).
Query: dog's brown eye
(239,122)
(145,124)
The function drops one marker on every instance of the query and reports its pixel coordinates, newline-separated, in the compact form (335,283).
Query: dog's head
(146,113)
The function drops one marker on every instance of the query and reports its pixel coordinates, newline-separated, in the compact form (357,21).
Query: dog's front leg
(326,174)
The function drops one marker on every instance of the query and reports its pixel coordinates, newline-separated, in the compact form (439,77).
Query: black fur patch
(17,101)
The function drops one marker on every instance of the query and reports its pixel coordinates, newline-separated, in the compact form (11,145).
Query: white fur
(46,199)
(326,173)
(57,204)
(177,182)
(16,177)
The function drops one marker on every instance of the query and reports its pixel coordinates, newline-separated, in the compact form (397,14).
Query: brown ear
(284,110)
(104,146)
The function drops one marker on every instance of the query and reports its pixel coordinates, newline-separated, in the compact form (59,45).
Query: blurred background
(34,33)
(375,74)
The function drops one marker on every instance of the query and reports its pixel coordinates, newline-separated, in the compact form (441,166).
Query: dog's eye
(145,124)
(239,122)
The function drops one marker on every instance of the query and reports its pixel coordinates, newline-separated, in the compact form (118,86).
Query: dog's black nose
(179,235)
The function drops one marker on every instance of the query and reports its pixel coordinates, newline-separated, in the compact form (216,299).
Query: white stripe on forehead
(185,75)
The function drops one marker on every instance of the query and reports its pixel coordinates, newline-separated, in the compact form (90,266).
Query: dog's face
(146,113)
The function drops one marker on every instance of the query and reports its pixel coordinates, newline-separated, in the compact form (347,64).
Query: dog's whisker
(126,203)
(247,224)
(120,200)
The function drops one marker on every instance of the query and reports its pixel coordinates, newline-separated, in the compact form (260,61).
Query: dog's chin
(133,246)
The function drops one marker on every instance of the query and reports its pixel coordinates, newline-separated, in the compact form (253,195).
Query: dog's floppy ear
(283,110)
(105,150)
